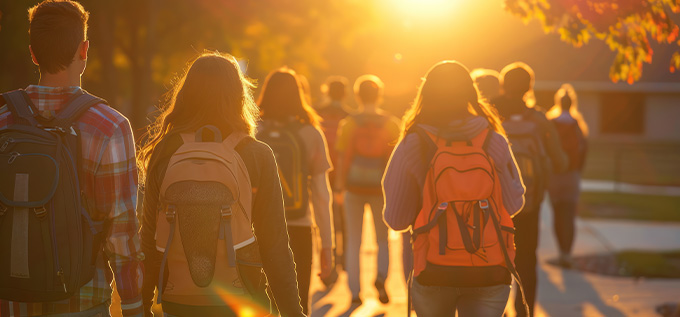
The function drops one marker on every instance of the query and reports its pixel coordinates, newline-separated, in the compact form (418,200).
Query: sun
(424,9)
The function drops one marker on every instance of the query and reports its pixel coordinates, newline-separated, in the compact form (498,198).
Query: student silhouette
(291,128)
(565,188)
(536,147)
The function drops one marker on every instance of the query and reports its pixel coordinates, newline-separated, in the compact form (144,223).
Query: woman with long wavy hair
(213,91)
(447,103)
(565,188)
(291,127)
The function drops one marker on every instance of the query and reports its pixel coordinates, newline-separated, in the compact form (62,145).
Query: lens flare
(425,9)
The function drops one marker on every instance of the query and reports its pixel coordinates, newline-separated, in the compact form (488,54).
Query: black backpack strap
(21,106)
(75,107)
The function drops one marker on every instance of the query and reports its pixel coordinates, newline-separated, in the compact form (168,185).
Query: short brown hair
(369,88)
(57,27)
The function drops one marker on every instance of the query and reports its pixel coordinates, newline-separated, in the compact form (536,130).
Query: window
(622,113)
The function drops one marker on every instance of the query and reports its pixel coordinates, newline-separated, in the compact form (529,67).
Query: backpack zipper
(6,144)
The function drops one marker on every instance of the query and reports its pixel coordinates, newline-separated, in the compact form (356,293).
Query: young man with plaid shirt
(58,38)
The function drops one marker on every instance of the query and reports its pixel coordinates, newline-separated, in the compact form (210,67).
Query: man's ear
(35,61)
(83,49)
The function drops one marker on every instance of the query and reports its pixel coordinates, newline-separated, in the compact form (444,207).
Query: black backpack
(288,148)
(531,157)
(48,242)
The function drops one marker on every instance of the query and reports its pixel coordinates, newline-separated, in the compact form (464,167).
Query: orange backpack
(368,154)
(463,221)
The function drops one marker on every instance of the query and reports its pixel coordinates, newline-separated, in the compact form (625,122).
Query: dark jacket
(268,216)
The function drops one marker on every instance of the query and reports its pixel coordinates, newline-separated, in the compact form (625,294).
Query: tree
(625,25)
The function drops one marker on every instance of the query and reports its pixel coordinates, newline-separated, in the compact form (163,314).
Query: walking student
(487,83)
(331,113)
(61,246)
(453,182)
(565,188)
(213,212)
(537,149)
(365,142)
(291,128)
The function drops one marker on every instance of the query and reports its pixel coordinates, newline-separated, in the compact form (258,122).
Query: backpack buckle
(225,212)
(40,212)
(484,204)
(170,214)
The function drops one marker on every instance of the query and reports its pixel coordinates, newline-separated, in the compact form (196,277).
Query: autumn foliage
(627,26)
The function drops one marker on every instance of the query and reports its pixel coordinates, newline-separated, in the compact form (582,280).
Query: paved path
(573,293)
(560,292)
(590,185)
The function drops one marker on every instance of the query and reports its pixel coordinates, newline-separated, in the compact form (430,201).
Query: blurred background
(139,47)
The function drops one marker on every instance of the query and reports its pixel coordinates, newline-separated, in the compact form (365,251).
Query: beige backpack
(204,224)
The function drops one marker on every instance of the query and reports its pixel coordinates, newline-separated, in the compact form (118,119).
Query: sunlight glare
(425,9)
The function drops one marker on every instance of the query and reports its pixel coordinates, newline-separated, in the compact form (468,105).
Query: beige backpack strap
(187,137)
(234,139)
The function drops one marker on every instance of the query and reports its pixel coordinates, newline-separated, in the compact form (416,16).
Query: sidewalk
(591,185)
(572,293)
(560,292)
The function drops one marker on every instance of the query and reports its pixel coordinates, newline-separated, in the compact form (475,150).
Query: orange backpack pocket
(462,176)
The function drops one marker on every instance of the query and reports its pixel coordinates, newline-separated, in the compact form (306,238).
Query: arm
(116,188)
(153,257)
(341,145)
(508,174)
(321,204)
(584,150)
(400,187)
(553,146)
(269,224)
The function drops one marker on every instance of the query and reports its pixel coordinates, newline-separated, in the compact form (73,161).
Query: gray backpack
(48,243)
(530,154)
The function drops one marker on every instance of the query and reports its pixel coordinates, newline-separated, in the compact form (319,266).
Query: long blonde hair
(448,93)
(213,91)
(556,110)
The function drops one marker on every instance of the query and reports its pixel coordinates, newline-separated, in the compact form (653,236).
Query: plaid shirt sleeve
(115,182)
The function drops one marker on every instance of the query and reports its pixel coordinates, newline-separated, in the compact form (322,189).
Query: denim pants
(101,310)
(354,219)
(564,192)
(435,301)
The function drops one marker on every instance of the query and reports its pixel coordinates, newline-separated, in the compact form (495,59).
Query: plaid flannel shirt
(110,183)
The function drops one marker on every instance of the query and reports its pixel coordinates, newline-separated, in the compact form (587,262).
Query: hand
(326,261)
(338,197)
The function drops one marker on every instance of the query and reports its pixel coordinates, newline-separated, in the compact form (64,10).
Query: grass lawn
(629,206)
(650,264)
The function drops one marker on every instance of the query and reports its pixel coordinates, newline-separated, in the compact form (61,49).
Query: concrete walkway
(560,292)
(590,185)
(573,293)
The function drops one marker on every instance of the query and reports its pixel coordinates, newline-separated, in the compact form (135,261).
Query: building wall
(661,122)
(663,117)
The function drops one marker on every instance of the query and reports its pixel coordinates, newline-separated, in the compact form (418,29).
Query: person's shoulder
(253,148)
(392,119)
(497,138)
(106,119)
(536,115)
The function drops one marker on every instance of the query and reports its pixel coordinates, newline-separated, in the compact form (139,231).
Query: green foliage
(625,25)
(139,46)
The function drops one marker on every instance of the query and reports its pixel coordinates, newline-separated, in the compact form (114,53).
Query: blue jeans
(435,301)
(354,220)
(101,310)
